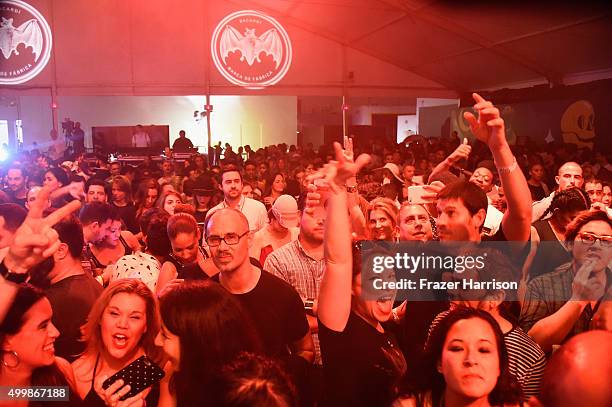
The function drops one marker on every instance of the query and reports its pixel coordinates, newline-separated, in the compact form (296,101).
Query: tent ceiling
(460,45)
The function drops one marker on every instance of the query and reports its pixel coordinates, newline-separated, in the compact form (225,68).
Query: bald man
(569,175)
(578,374)
(275,307)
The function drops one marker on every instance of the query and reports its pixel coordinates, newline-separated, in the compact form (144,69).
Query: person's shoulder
(277,284)
(556,274)
(83,366)
(255,203)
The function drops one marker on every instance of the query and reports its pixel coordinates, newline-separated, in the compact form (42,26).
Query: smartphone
(139,374)
(415,195)
(417,179)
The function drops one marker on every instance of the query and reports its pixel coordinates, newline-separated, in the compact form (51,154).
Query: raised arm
(335,295)
(489,128)
(461,152)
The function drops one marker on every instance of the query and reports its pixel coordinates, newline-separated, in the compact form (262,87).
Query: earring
(15,357)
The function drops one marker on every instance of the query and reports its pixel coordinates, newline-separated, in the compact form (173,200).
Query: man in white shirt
(569,175)
(141,138)
(231,185)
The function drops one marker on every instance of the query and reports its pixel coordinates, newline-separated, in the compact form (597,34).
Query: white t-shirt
(141,140)
(254,211)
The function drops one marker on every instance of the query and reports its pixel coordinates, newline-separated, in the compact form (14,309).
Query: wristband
(8,275)
(508,169)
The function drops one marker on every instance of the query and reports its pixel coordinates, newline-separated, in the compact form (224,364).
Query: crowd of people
(244,283)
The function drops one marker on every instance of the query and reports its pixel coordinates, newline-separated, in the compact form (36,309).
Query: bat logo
(251,49)
(28,33)
(251,46)
(25,42)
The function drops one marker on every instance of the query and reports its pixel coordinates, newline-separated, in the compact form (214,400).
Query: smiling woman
(27,338)
(120,328)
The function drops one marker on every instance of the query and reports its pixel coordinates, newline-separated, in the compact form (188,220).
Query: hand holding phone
(138,375)
(418,194)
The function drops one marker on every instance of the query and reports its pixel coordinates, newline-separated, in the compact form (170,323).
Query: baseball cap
(285,210)
(394,170)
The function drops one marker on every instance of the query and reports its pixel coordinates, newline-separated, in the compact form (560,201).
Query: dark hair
(147,215)
(95,212)
(15,166)
(569,200)
(507,389)
(25,298)
(212,328)
(95,181)
(181,223)
(253,380)
(582,219)
(13,215)
(70,232)
(472,196)
(60,174)
(230,168)
(158,242)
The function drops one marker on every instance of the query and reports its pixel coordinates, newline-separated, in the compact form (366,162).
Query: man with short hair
(141,139)
(72,292)
(231,185)
(569,175)
(11,217)
(17,181)
(301,264)
(182,144)
(170,177)
(594,188)
(274,306)
(96,218)
(462,207)
(95,191)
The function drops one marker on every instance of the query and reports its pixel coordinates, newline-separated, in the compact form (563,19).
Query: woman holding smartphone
(120,328)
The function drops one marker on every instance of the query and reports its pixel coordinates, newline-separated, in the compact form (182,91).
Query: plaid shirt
(291,263)
(549,292)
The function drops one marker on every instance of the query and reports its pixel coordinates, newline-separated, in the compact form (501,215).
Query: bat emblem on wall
(250,45)
(28,33)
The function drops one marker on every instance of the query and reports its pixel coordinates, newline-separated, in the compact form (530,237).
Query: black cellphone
(139,374)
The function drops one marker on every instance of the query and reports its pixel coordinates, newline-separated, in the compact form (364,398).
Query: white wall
(235,119)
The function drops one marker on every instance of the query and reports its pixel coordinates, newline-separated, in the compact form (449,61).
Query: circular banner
(251,49)
(25,42)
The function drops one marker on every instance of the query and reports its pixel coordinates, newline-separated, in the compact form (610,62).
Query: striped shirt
(292,264)
(526,360)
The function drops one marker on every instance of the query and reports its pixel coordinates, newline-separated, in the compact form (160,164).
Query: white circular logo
(251,49)
(25,42)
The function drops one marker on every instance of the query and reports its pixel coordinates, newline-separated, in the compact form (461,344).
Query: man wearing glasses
(274,306)
(564,302)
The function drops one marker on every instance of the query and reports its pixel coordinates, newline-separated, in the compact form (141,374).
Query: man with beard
(301,264)
(231,185)
(72,291)
(17,182)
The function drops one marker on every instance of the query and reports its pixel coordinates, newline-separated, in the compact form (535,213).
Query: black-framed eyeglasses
(229,239)
(590,239)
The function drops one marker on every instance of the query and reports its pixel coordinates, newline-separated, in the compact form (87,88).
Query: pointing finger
(465,141)
(478,98)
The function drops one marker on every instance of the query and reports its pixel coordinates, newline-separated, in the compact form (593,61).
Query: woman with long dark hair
(203,328)
(465,364)
(28,356)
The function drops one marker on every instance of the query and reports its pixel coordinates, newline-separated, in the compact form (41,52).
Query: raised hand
(337,171)
(461,152)
(489,126)
(35,239)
